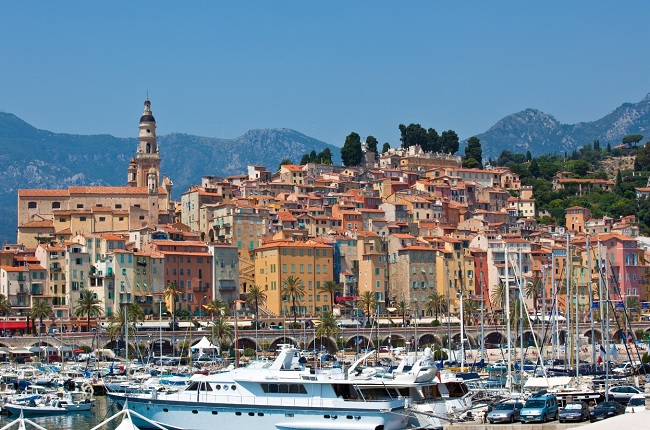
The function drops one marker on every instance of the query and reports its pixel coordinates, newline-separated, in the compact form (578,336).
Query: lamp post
(160,328)
(234,305)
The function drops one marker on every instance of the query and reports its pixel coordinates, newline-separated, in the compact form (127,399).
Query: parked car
(505,412)
(622,393)
(384,349)
(606,410)
(636,404)
(574,411)
(541,407)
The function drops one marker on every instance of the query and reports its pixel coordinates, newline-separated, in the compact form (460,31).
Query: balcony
(36,290)
(55,269)
(227,285)
(21,278)
(141,263)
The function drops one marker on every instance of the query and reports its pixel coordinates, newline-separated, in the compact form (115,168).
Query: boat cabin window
(194,386)
(284,388)
(456,389)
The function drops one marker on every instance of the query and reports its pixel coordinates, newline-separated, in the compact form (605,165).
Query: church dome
(147,118)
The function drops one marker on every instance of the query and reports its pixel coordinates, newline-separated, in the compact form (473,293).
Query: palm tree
(327,326)
(436,303)
(223,333)
(632,302)
(41,309)
(498,296)
(293,289)
(89,306)
(5,305)
(172,292)
(133,313)
(533,290)
(366,304)
(256,297)
(216,307)
(402,308)
(470,307)
(331,288)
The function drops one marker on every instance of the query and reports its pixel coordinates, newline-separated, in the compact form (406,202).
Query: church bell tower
(147,157)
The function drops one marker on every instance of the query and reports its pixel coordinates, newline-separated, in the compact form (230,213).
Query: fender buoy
(87,388)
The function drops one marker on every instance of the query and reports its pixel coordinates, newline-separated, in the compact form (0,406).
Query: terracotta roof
(110,190)
(38,224)
(43,193)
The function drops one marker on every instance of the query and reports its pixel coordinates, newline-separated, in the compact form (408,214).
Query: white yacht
(273,395)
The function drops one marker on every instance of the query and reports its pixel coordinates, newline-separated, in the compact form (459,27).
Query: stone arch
(202,236)
(528,338)
(245,342)
(617,336)
(118,346)
(323,342)
(598,336)
(362,341)
(429,340)
(167,348)
(281,340)
(393,340)
(211,235)
(3,345)
(494,338)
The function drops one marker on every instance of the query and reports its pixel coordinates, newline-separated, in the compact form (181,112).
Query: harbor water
(103,409)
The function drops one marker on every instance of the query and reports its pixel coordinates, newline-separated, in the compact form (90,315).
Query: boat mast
(567,310)
(482,344)
(591,306)
(508,334)
(554,328)
(521,319)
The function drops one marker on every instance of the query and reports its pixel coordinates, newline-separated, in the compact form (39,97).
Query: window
(82,218)
(102,218)
(31,205)
(56,205)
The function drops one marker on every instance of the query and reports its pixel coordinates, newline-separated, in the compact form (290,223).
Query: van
(540,407)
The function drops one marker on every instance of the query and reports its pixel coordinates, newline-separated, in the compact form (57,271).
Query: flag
(601,354)
(359,340)
(613,352)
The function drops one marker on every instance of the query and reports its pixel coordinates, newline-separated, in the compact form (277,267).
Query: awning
(13,325)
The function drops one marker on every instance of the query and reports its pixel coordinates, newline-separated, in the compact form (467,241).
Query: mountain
(540,133)
(34,158)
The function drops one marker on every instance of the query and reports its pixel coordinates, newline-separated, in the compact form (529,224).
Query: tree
(470,308)
(327,326)
(632,139)
(449,142)
(367,303)
(609,147)
(284,161)
(402,308)
(642,159)
(216,307)
(116,325)
(371,144)
(293,289)
(597,145)
(473,151)
(222,332)
(331,288)
(304,160)
(436,303)
(41,309)
(89,306)
(413,134)
(172,292)
(351,153)
(433,141)
(533,290)
(256,297)
(325,156)
(5,306)
(385,148)
(498,296)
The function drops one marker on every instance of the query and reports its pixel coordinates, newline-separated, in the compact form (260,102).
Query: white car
(622,393)
(636,404)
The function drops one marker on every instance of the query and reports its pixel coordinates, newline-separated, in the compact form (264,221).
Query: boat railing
(282,401)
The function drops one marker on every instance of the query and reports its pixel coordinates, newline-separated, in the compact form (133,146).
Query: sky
(325,69)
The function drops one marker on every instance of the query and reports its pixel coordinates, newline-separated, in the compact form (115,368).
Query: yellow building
(309,261)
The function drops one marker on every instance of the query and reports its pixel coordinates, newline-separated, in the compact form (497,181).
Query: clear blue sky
(323,68)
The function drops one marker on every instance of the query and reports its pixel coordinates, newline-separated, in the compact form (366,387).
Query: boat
(33,409)
(273,395)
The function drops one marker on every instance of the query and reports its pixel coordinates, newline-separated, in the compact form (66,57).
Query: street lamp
(234,305)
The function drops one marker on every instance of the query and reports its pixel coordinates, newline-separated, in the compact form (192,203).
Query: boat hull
(29,411)
(203,416)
